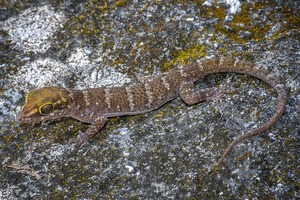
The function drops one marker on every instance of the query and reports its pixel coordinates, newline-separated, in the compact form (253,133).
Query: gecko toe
(80,140)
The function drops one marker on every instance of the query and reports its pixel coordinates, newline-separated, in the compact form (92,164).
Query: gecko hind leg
(220,92)
(190,97)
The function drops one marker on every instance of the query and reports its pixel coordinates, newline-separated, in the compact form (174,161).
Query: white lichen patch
(93,73)
(8,101)
(49,72)
(39,73)
(32,30)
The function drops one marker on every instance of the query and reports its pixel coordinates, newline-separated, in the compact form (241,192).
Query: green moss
(192,53)
(120,3)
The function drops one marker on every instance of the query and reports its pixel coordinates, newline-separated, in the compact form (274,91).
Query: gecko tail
(269,78)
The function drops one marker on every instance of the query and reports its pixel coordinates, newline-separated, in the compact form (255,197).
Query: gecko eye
(46,108)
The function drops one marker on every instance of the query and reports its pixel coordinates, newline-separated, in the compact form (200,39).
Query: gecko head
(45,104)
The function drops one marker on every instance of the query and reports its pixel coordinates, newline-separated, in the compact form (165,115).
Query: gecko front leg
(82,138)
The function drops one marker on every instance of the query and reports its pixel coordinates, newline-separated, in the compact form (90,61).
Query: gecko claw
(220,92)
(80,140)
(42,123)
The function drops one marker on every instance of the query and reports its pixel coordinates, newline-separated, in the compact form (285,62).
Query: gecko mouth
(20,119)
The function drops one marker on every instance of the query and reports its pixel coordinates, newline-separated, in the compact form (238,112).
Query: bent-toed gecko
(95,105)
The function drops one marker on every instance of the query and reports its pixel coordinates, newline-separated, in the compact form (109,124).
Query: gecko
(95,105)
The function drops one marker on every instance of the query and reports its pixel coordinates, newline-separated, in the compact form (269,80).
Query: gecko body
(97,104)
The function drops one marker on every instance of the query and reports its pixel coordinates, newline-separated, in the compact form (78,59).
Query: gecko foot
(142,78)
(220,92)
(81,139)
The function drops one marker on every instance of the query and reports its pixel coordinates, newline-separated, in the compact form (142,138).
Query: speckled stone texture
(171,152)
